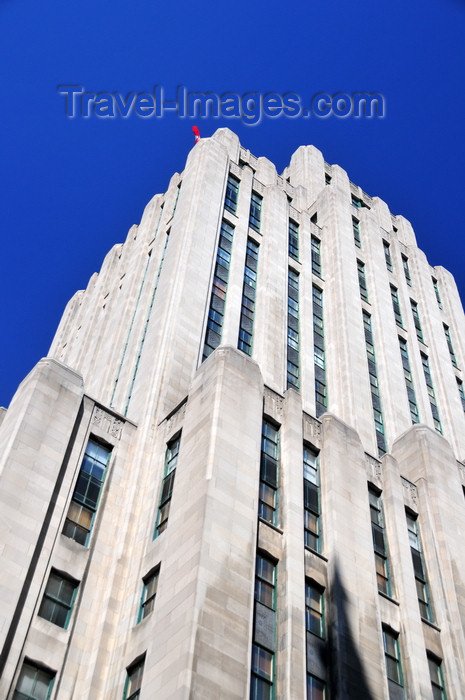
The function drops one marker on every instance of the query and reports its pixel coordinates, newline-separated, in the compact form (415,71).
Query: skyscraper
(238,472)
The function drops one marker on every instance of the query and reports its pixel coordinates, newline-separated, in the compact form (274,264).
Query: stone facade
(126,372)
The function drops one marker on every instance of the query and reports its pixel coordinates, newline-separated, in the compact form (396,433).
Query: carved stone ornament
(410,493)
(312,430)
(374,469)
(235,170)
(105,421)
(274,404)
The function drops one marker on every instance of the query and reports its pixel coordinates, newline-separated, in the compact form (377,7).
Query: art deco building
(238,474)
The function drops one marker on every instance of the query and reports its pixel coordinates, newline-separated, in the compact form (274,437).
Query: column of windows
(319,358)
(387,255)
(312,505)
(396,306)
(416,320)
(356,230)
(362,282)
(436,291)
(406,267)
(419,568)
(219,289)
(379,541)
(393,664)
(269,467)
(412,401)
(431,393)
(84,502)
(249,291)
(315,631)
(264,630)
(316,256)
(293,239)
(255,215)
(449,345)
(293,333)
(171,461)
(232,194)
(374,385)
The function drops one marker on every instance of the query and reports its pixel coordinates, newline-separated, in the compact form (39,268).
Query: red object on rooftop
(196,133)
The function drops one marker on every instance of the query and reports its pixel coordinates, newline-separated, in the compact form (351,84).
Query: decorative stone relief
(294,214)
(253,162)
(107,422)
(175,419)
(410,493)
(312,430)
(258,187)
(374,469)
(244,155)
(235,170)
(273,404)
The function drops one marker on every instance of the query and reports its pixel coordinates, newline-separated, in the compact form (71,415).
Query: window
(327,179)
(312,519)
(316,256)
(134,680)
(396,306)
(34,682)
(362,283)
(255,216)
(356,202)
(269,461)
(419,568)
(263,647)
(219,288)
(393,662)
(149,592)
(265,581)
(57,603)
(437,679)
(416,320)
(293,239)
(431,394)
(379,541)
(261,685)
(449,345)
(293,364)
(436,291)
(356,229)
(232,194)
(461,392)
(387,255)
(171,460)
(409,381)
(248,298)
(314,609)
(406,270)
(319,357)
(316,688)
(374,385)
(86,496)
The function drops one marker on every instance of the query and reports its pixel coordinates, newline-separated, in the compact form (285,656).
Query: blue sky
(71,188)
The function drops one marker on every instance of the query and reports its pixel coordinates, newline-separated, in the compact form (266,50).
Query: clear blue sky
(71,188)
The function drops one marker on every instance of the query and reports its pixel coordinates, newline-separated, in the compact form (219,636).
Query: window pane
(315,688)
(262,662)
(33,684)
